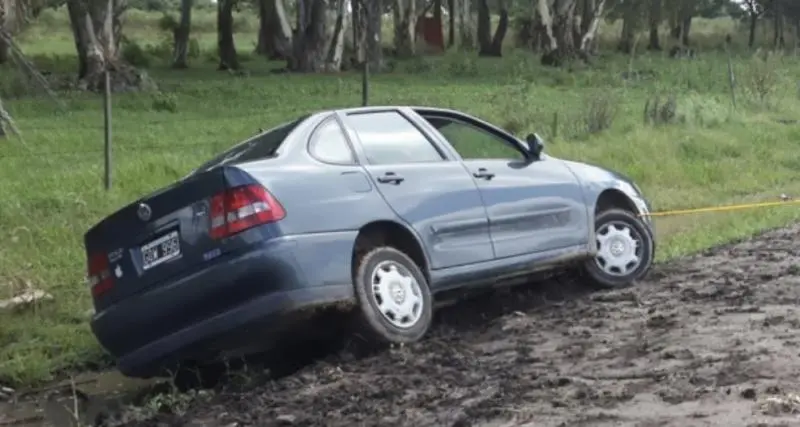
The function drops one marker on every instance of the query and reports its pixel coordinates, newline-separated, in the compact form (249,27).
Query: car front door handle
(390,178)
(483,174)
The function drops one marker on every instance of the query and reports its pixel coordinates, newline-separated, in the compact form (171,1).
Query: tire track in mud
(713,339)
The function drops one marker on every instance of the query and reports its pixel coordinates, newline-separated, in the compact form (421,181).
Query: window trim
(444,157)
(510,142)
(332,117)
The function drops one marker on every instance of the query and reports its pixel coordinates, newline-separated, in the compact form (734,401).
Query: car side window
(329,144)
(389,138)
(472,142)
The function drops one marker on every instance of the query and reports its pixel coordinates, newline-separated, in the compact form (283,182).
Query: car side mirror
(535,145)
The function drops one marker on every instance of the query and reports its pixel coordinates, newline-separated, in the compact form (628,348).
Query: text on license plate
(161,250)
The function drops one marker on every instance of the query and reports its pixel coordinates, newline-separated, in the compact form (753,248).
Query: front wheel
(625,249)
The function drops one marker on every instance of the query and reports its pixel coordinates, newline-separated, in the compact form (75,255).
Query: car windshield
(261,146)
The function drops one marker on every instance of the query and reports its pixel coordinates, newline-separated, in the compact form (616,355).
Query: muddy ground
(711,340)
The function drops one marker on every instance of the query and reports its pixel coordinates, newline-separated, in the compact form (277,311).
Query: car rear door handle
(483,174)
(390,178)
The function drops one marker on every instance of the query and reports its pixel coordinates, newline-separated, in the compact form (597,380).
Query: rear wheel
(624,250)
(395,302)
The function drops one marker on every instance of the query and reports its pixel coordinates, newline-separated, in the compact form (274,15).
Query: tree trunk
(336,38)
(779,41)
(654,20)
(587,11)
(4,53)
(796,34)
(489,45)
(274,31)
(564,39)
(76,16)
(120,7)
(451,28)
(465,24)
(405,17)
(686,27)
(630,27)
(309,45)
(180,35)
(228,59)
(563,23)
(374,50)
(501,31)
(484,34)
(4,20)
(359,25)
(751,40)
(264,44)
(93,25)
(682,23)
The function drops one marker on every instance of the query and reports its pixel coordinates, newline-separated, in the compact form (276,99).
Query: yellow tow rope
(785,200)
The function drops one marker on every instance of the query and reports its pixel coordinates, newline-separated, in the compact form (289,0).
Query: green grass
(52,184)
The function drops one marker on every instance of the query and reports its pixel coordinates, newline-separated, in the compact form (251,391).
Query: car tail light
(240,208)
(99,274)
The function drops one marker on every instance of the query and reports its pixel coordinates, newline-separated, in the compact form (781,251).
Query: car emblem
(144,212)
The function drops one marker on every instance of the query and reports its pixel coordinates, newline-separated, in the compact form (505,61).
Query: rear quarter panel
(326,206)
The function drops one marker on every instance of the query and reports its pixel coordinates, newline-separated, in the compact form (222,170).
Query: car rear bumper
(206,313)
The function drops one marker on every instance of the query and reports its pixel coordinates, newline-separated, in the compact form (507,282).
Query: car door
(424,185)
(533,205)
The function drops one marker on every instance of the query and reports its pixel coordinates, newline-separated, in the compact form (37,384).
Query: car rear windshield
(261,146)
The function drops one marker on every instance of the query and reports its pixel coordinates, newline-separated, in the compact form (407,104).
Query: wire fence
(49,154)
(19,149)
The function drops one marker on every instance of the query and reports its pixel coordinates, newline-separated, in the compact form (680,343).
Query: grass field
(708,154)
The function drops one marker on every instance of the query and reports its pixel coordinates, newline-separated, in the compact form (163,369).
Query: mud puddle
(89,394)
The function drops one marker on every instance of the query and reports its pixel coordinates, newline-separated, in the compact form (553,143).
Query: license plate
(161,250)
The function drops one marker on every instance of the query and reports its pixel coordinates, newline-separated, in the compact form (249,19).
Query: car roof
(377,108)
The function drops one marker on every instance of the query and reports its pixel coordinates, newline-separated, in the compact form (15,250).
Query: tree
(489,45)
(373,11)
(778,13)
(226,45)
(6,21)
(274,31)
(654,20)
(792,13)
(565,39)
(632,18)
(316,44)
(681,20)
(754,11)
(15,16)
(404,13)
(96,26)
(451,26)
(181,36)
(464,22)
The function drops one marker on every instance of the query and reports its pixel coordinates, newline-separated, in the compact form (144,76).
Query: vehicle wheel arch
(612,198)
(394,234)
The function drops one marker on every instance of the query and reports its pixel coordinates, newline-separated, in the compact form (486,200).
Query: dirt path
(707,341)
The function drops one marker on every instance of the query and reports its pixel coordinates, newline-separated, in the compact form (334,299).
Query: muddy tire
(625,250)
(395,302)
